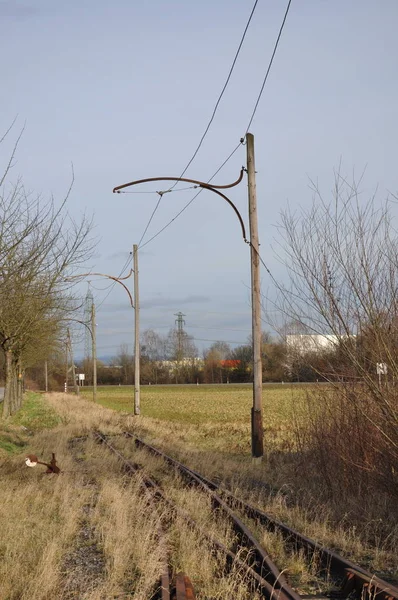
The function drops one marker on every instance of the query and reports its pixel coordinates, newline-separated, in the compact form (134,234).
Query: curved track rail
(353,579)
(182,588)
(262,575)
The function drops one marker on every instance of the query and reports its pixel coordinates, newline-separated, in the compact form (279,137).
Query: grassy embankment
(87,534)
(208,427)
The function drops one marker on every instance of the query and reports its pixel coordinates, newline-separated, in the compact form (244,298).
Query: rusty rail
(261,562)
(261,573)
(164,592)
(184,588)
(354,578)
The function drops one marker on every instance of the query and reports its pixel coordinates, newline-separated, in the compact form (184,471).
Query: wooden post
(257,415)
(45,376)
(137,407)
(94,351)
(75,385)
(66,363)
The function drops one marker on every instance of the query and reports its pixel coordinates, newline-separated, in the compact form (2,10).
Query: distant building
(172,365)
(230,364)
(304,343)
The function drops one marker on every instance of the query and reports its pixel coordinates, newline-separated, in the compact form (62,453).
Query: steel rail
(258,583)
(164,592)
(263,562)
(353,576)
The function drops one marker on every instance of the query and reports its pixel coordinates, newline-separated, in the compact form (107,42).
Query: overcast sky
(125,89)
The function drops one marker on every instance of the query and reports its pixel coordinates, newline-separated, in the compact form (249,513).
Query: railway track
(261,574)
(170,588)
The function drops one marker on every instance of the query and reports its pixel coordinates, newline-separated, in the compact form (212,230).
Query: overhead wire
(191,187)
(208,124)
(112,285)
(269,65)
(192,199)
(222,92)
(201,142)
(242,139)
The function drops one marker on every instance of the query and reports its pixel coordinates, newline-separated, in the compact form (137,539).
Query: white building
(303,343)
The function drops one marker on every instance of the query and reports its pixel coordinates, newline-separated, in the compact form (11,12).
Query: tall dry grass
(38,520)
(360,526)
(44,519)
(348,457)
(90,532)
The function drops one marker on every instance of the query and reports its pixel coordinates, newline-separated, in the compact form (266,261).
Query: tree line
(41,249)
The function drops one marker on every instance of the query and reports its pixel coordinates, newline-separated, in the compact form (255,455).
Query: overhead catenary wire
(191,187)
(242,139)
(221,94)
(269,66)
(208,124)
(192,199)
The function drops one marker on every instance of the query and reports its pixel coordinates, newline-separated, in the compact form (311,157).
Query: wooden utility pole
(45,376)
(66,364)
(137,407)
(257,412)
(94,351)
(75,384)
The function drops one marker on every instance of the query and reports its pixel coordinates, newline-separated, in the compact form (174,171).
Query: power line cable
(192,199)
(222,92)
(247,129)
(191,187)
(269,66)
(210,121)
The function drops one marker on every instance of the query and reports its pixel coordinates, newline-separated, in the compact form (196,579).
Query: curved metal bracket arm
(116,279)
(202,184)
(81,323)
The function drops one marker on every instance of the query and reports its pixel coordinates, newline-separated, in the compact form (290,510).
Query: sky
(123,90)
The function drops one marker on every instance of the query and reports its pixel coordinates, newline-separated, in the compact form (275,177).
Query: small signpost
(381,369)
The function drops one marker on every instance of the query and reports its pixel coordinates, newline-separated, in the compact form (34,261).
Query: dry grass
(45,552)
(89,533)
(288,499)
(38,520)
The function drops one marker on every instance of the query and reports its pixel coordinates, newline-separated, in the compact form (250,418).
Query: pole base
(257,434)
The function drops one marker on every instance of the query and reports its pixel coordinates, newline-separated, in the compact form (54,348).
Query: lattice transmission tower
(180,335)
(88,307)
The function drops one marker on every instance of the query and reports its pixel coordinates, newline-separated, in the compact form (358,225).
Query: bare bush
(341,256)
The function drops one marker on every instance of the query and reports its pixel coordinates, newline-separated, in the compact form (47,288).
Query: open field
(73,536)
(215,416)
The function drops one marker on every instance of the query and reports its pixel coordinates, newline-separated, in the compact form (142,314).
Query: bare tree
(214,359)
(341,256)
(40,248)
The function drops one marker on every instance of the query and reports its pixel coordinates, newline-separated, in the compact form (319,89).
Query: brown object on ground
(51,467)
(184,588)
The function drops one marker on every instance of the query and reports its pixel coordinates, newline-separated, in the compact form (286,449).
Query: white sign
(81,376)
(381,368)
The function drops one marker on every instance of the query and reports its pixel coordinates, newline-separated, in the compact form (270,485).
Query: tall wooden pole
(75,384)
(45,376)
(257,414)
(137,407)
(94,351)
(66,363)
